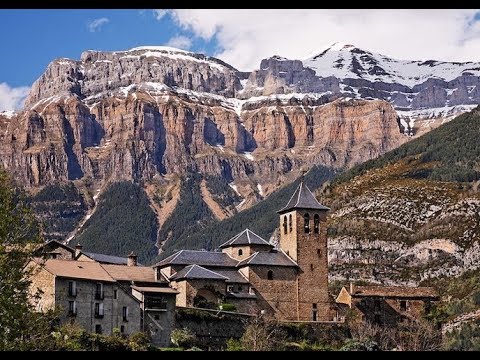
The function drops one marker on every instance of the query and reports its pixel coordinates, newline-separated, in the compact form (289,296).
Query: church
(289,282)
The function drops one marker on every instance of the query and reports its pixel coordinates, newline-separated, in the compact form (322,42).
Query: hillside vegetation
(123,222)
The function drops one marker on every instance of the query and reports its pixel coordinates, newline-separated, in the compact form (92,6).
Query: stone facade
(278,295)
(385,306)
(89,304)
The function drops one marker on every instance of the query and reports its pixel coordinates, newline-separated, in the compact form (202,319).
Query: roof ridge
(299,193)
(191,267)
(248,235)
(252,257)
(289,258)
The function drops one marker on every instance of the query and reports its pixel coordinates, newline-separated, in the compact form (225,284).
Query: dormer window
(240,252)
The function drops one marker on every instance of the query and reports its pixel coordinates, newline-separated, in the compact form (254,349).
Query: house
(287,283)
(387,305)
(103,296)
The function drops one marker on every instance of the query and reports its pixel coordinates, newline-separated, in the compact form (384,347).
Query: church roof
(197,272)
(246,237)
(303,198)
(271,258)
(203,258)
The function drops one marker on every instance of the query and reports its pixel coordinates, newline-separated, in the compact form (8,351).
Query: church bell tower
(303,237)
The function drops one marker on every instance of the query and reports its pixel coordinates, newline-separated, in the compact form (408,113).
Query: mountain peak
(338,46)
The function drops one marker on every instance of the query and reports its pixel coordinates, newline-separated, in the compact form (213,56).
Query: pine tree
(19,235)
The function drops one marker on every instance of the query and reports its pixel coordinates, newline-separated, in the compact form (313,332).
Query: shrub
(183,338)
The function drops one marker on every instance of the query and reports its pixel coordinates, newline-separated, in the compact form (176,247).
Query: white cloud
(96,25)
(12,98)
(247,36)
(181,42)
(160,13)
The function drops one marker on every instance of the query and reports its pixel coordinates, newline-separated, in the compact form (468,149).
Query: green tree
(19,235)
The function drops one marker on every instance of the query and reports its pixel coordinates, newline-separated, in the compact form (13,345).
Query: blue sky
(39,36)
(33,38)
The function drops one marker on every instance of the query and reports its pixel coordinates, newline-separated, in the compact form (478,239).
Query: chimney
(351,287)
(132,259)
(78,250)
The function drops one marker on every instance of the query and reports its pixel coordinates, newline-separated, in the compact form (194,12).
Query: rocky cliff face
(149,113)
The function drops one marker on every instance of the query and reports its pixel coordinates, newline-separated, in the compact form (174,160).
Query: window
(99,311)
(115,294)
(240,252)
(311,267)
(99,291)
(125,313)
(316,223)
(270,275)
(306,220)
(230,288)
(403,305)
(98,329)
(319,252)
(314,312)
(122,329)
(72,308)
(72,288)
(285,224)
(290,225)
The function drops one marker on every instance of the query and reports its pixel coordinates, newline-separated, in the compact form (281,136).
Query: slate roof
(246,237)
(197,272)
(233,276)
(203,258)
(106,259)
(302,198)
(130,273)
(88,270)
(272,258)
(394,291)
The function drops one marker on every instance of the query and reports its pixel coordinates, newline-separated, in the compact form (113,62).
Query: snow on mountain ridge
(348,61)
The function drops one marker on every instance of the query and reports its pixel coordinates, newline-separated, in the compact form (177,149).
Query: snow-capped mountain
(347,61)
(417,89)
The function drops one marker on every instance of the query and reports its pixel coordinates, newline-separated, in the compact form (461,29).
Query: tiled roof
(203,258)
(88,270)
(197,272)
(130,273)
(233,276)
(155,289)
(394,291)
(246,237)
(303,198)
(107,259)
(272,258)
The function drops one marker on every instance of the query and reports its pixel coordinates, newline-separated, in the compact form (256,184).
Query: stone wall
(278,297)
(212,328)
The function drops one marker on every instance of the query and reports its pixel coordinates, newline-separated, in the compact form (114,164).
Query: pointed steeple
(302,198)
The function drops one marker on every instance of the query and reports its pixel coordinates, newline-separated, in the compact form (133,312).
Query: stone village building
(288,283)
(103,294)
(386,305)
